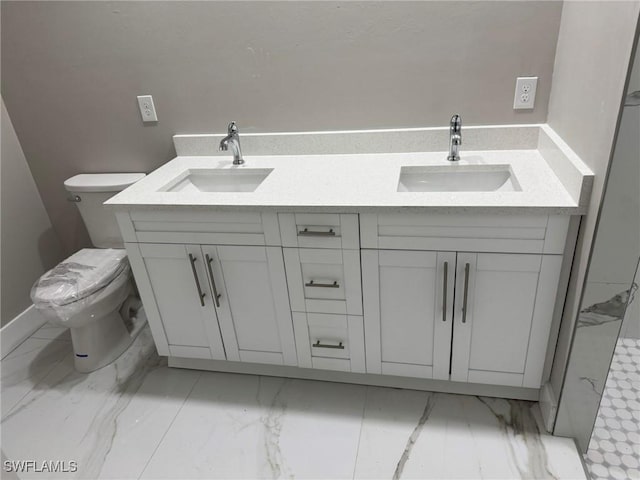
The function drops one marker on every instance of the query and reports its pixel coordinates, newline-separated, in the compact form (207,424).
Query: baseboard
(548,406)
(19,329)
(358,378)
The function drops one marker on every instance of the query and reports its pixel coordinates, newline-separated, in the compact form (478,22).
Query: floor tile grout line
(164,435)
(364,409)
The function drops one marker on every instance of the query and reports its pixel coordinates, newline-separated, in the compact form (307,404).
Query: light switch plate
(147,108)
(525,96)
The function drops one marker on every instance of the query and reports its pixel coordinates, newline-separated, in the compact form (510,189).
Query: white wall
(629,146)
(29,244)
(634,81)
(617,243)
(595,42)
(71,72)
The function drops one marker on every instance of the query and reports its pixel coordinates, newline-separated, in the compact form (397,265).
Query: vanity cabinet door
(408,306)
(252,303)
(503,309)
(175,291)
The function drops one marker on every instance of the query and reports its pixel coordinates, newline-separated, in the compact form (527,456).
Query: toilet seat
(79,277)
(79,313)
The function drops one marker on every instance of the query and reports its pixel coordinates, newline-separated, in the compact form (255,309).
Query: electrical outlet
(147,108)
(525,95)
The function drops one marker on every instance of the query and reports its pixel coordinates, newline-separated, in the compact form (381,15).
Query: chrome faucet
(455,138)
(233,139)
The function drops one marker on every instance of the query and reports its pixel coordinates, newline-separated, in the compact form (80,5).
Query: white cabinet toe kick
(456,303)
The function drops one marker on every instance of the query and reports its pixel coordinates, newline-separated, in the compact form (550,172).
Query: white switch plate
(147,108)
(525,96)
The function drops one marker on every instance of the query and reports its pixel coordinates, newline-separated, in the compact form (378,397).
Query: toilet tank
(89,191)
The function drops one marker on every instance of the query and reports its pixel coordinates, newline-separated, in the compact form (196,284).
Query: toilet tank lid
(101,182)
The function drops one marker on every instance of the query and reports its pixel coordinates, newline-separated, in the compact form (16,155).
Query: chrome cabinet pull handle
(316,233)
(216,295)
(201,294)
(340,346)
(444,292)
(322,285)
(466,291)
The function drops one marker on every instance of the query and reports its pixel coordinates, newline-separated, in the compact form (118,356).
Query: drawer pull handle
(216,295)
(201,294)
(340,346)
(322,285)
(315,233)
(444,292)
(466,291)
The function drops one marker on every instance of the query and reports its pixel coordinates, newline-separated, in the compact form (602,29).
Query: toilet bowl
(92,292)
(85,293)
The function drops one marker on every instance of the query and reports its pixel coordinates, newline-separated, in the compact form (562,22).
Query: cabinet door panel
(407,327)
(492,339)
(186,322)
(248,292)
(407,307)
(502,308)
(254,307)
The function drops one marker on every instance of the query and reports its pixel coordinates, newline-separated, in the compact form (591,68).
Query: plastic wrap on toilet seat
(67,287)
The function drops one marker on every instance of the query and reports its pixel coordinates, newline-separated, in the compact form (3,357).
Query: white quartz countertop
(356,183)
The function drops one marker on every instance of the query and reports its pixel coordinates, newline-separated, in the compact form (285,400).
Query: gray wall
(592,60)
(71,71)
(29,244)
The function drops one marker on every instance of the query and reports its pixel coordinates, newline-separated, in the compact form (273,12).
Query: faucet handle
(232,129)
(456,124)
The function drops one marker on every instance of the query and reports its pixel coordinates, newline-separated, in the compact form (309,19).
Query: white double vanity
(398,269)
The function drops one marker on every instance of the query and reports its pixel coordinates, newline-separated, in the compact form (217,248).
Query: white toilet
(92,291)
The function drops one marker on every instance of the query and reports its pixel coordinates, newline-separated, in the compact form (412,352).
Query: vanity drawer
(330,342)
(319,230)
(324,280)
(479,233)
(200,227)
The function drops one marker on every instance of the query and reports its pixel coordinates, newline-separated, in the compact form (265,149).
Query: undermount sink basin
(458,178)
(218,180)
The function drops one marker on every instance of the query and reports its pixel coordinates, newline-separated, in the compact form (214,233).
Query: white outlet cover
(147,108)
(525,95)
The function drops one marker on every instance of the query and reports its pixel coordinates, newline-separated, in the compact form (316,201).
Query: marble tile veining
(610,310)
(455,436)
(598,327)
(73,416)
(137,418)
(27,365)
(244,426)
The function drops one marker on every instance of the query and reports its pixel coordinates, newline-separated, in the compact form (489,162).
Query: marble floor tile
(110,420)
(25,366)
(392,420)
(427,435)
(243,426)
(219,432)
(137,418)
(52,332)
(315,430)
